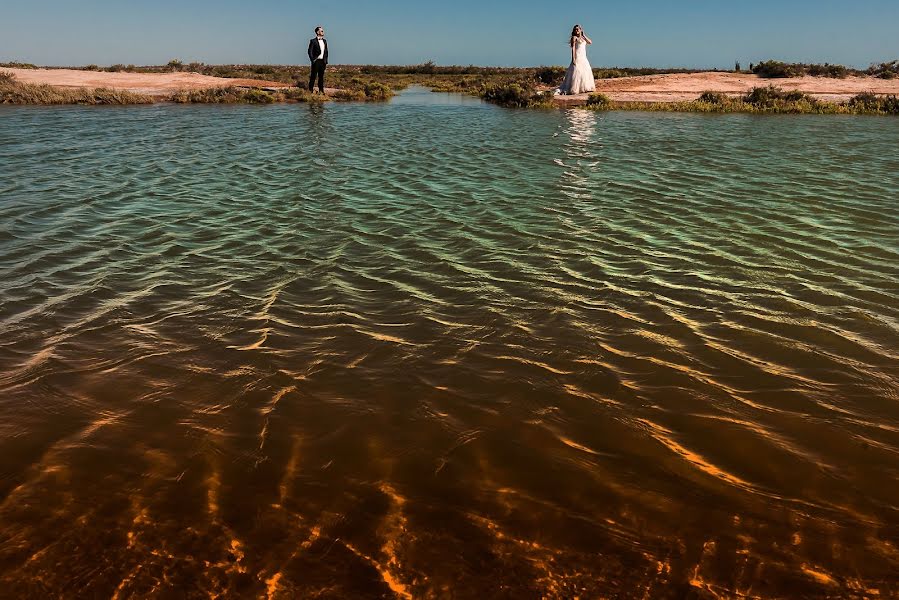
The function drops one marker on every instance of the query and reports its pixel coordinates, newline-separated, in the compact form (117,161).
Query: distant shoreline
(679,90)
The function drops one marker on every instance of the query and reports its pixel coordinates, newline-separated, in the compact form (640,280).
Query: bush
(714,98)
(775,69)
(377,91)
(768,96)
(609,73)
(890,105)
(255,96)
(301,95)
(870,102)
(827,70)
(428,68)
(886,70)
(175,65)
(222,95)
(550,75)
(18,65)
(514,95)
(349,95)
(7,77)
(599,102)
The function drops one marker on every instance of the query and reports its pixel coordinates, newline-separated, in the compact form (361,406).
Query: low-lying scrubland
(761,100)
(518,87)
(776,69)
(355,78)
(886,70)
(235,95)
(17,92)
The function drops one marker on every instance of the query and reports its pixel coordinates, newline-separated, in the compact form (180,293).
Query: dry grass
(13,92)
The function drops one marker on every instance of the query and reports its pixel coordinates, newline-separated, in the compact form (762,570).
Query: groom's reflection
(312,147)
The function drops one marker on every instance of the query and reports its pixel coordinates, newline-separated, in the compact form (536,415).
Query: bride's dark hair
(574,35)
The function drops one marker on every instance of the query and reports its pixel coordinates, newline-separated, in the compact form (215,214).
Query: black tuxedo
(317,70)
(314,50)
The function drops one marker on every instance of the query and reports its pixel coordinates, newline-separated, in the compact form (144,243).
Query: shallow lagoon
(437,346)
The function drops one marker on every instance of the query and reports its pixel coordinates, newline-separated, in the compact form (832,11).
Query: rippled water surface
(436,348)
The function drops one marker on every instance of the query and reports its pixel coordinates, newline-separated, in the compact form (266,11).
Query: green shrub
(349,95)
(886,70)
(827,70)
(599,102)
(377,91)
(175,65)
(870,102)
(550,75)
(300,95)
(774,69)
(714,98)
(609,73)
(222,95)
(255,96)
(771,95)
(517,94)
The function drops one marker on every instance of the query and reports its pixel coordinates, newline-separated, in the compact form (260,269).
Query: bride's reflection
(581,126)
(579,158)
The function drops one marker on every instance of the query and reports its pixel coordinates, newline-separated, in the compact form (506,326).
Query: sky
(658,33)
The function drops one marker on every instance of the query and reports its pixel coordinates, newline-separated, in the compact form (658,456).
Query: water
(438,348)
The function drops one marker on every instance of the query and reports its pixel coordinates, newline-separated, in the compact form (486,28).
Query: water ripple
(420,348)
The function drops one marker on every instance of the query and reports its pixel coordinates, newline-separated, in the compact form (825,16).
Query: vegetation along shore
(800,89)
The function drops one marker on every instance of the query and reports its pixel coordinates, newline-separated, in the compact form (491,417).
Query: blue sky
(702,33)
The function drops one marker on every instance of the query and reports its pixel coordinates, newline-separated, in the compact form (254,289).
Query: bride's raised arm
(586,39)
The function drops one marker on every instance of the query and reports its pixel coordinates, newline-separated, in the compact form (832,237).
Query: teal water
(436,348)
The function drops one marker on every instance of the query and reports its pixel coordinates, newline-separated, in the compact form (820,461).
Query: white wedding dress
(579,78)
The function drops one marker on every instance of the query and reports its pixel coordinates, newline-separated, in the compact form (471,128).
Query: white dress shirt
(321,49)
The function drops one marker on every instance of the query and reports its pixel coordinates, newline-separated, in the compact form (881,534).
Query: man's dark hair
(317,28)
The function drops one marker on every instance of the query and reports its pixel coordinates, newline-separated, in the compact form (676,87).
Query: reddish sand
(153,84)
(679,87)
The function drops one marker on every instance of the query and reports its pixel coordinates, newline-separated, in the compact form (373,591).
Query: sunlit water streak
(439,348)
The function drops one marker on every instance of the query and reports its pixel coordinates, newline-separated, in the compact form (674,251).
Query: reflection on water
(581,154)
(432,350)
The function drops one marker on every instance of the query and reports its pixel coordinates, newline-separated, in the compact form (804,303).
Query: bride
(579,78)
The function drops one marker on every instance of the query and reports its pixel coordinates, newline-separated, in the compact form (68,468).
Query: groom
(318,54)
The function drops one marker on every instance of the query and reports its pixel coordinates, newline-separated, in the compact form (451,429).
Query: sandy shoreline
(151,84)
(675,87)
(679,87)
